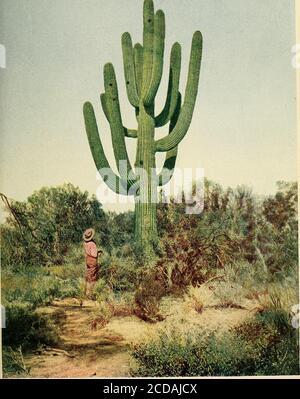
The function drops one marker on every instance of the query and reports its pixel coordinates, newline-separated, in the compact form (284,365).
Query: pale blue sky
(244,125)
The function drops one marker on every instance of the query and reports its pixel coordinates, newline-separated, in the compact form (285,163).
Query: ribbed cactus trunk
(143,66)
(145,203)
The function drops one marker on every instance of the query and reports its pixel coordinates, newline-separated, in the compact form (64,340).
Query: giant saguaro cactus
(143,66)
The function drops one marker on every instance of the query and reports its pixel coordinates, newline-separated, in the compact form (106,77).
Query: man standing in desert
(91,259)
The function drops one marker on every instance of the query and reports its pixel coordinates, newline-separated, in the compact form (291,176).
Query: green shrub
(102,291)
(272,336)
(37,286)
(50,222)
(123,305)
(121,228)
(113,303)
(101,315)
(267,345)
(190,355)
(25,327)
(120,273)
(68,271)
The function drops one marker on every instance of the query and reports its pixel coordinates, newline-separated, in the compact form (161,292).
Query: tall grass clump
(13,362)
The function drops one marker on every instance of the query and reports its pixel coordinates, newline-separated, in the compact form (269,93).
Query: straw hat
(88,234)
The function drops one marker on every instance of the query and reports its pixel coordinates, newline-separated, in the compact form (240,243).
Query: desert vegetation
(238,259)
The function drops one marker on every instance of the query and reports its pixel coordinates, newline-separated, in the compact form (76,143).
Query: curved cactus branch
(185,117)
(129,70)
(158,56)
(104,106)
(173,87)
(168,168)
(132,133)
(148,34)
(115,120)
(167,171)
(111,179)
(138,65)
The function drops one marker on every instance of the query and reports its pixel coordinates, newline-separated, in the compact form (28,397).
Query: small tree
(42,228)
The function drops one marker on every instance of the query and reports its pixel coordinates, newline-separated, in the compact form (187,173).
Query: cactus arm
(129,70)
(168,168)
(148,33)
(111,179)
(115,121)
(158,56)
(127,132)
(173,86)
(138,65)
(185,117)
(104,106)
(131,133)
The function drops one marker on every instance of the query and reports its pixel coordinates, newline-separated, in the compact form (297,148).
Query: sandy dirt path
(86,351)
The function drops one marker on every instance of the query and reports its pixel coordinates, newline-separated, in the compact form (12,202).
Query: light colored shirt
(91,249)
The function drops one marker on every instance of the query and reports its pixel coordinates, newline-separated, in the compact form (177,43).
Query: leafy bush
(111,303)
(101,315)
(45,226)
(25,327)
(37,288)
(267,345)
(190,355)
(121,228)
(114,306)
(124,305)
(182,262)
(119,272)
(102,291)
(272,337)
(73,267)
(235,227)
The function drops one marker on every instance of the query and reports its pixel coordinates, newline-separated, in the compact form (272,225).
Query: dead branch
(59,351)
(10,208)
